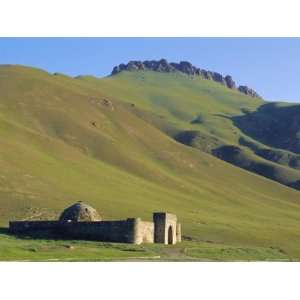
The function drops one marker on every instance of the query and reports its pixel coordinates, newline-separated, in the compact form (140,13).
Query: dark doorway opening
(170,235)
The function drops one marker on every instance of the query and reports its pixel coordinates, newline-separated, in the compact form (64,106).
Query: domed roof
(79,212)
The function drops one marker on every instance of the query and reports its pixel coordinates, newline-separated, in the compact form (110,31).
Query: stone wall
(147,232)
(159,227)
(110,231)
(143,232)
(164,229)
(165,225)
(19,227)
(178,233)
(107,231)
(171,226)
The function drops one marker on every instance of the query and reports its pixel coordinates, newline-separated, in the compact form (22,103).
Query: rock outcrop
(229,82)
(185,67)
(248,91)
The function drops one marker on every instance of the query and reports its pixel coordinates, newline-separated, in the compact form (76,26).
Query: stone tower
(166,228)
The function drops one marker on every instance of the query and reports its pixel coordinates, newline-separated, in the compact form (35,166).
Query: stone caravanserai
(81,221)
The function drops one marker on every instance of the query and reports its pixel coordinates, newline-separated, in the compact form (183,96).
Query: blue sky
(269,65)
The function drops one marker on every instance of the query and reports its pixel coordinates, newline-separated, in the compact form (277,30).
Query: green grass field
(26,249)
(110,142)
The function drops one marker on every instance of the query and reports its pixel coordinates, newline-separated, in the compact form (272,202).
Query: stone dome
(80,212)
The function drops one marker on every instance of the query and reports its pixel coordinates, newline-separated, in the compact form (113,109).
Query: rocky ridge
(185,67)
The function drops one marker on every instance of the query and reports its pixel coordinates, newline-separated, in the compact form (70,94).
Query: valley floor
(27,249)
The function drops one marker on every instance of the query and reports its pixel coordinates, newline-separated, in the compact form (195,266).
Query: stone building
(81,221)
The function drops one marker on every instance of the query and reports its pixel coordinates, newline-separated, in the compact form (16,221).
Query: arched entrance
(170,235)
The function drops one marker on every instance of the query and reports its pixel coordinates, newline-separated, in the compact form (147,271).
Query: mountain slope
(202,114)
(110,142)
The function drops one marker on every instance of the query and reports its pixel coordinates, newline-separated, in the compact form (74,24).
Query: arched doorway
(170,235)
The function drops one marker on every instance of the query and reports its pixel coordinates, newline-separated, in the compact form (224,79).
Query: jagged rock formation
(248,91)
(185,67)
(229,82)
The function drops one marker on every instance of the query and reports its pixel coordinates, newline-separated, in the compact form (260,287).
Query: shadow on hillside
(272,124)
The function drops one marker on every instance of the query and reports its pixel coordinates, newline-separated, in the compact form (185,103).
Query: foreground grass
(27,249)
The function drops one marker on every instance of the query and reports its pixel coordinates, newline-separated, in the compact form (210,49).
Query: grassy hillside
(274,124)
(206,115)
(111,143)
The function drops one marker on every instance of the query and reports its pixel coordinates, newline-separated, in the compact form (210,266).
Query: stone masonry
(80,221)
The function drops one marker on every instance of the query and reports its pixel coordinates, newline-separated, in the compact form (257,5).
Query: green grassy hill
(115,144)
(206,115)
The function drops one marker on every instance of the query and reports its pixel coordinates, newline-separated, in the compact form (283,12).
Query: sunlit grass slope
(110,143)
(206,115)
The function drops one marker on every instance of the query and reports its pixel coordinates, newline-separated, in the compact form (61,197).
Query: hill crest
(185,67)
